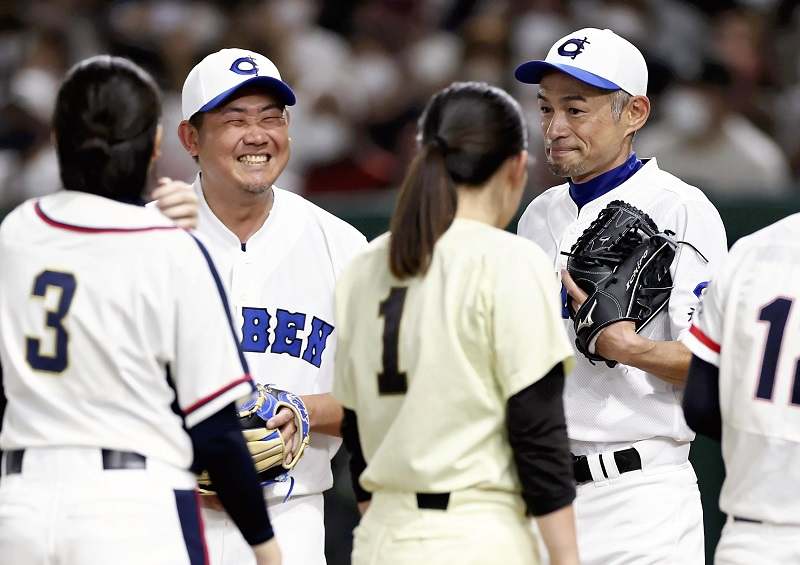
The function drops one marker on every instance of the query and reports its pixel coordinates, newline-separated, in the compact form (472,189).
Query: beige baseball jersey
(101,328)
(428,363)
(749,327)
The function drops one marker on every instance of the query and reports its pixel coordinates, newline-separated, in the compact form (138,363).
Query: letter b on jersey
(255,329)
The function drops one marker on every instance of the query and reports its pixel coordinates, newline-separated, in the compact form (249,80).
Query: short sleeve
(704,337)
(703,246)
(528,332)
(209,369)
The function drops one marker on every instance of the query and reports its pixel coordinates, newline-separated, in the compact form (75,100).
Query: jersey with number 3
(429,363)
(749,327)
(110,317)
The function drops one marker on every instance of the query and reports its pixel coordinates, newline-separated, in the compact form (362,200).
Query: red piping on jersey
(213,395)
(704,339)
(83,229)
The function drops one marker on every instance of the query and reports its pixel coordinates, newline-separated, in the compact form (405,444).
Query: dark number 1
(58,361)
(390,379)
(776,313)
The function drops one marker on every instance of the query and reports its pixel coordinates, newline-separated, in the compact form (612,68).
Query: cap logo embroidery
(572,47)
(245,66)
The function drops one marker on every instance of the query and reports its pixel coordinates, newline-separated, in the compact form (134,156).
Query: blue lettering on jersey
(564,298)
(317,338)
(255,330)
(286,340)
(700,289)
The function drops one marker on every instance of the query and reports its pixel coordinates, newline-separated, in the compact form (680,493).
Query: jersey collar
(209,222)
(585,192)
(82,211)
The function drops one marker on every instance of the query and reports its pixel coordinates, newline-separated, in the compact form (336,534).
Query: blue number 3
(58,361)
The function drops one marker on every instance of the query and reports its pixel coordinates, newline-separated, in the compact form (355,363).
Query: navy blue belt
(112,460)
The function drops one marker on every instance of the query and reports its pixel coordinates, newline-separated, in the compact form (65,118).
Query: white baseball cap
(220,74)
(598,57)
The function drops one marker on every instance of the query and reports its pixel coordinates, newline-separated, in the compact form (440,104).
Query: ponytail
(425,209)
(465,133)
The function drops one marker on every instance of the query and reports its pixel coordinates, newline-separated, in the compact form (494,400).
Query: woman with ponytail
(452,355)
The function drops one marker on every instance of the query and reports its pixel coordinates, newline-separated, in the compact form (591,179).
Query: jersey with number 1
(428,364)
(110,317)
(749,327)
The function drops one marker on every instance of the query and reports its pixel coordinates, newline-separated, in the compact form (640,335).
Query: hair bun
(96,144)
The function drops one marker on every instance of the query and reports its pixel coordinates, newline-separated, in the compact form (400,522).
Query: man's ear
(190,138)
(637,111)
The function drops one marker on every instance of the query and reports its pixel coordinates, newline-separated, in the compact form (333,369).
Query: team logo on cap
(245,66)
(572,47)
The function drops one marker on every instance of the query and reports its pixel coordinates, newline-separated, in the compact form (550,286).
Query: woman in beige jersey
(452,355)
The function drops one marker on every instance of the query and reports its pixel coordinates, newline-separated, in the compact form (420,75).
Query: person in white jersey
(458,406)
(744,386)
(637,497)
(279,256)
(119,362)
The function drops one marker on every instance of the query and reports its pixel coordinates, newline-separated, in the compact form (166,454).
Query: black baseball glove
(622,262)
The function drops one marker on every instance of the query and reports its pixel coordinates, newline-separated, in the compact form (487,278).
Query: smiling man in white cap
(637,499)
(278,256)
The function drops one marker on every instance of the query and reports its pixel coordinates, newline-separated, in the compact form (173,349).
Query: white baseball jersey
(100,329)
(749,327)
(281,285)
(625,404)
(428,364)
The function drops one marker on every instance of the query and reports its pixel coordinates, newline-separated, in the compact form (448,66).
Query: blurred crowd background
(724,81)
(724,78)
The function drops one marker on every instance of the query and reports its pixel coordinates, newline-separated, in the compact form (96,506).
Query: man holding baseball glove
(635,246)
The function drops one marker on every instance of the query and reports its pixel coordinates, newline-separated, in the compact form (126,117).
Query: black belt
(433,500)
(626,459)
(112,460)
(748,520)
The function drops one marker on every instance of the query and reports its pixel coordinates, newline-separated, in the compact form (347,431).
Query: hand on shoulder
(177,201)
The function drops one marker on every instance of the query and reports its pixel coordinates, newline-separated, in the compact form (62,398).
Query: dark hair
(106,116)
(465,133)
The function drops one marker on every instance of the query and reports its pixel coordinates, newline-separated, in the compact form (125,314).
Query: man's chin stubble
(257,189)
(565,171)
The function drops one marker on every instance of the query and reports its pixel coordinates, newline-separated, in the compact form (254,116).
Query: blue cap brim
(533,71)
(272,84)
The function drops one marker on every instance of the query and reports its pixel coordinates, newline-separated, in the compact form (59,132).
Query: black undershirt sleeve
(537,432)
(220,449)
(701,399)
(357,462)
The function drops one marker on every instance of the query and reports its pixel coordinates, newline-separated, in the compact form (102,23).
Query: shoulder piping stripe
(205,400)
(224,298)
(704,339)
(85,229)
